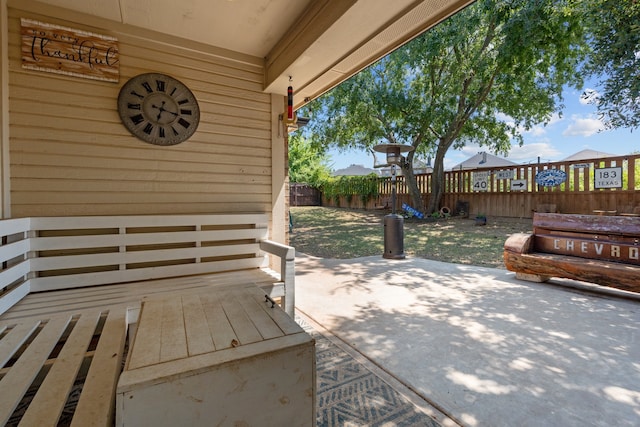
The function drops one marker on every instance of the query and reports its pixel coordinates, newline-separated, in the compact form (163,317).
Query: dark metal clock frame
(158,109)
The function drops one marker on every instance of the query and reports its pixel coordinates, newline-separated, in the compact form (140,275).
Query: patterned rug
(350,395)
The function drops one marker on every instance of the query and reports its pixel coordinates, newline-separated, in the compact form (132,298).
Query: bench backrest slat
(50,253)
(608,238)
(619,225)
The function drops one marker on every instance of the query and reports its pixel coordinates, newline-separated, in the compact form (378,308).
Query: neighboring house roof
(588,154)
(483,160)
(354,170)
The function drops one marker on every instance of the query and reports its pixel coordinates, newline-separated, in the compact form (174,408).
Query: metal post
(393,224)
(393,189)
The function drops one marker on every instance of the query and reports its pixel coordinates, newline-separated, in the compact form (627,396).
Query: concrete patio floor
(478,345)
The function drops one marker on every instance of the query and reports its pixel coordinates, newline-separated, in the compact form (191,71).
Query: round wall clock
(158,109)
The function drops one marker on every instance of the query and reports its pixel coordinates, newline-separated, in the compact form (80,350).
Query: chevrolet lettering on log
(591,248)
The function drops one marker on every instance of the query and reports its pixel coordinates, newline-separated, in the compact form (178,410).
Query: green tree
(614,27)
(451,85)
(306,163)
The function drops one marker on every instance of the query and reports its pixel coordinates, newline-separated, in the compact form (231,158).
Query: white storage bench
(230,358)
(71,287)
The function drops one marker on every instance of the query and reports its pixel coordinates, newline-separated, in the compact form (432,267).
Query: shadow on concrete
(485,348)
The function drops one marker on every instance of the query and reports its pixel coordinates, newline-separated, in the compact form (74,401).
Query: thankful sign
(56,49)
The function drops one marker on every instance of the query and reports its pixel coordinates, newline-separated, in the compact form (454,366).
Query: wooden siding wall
(71,155)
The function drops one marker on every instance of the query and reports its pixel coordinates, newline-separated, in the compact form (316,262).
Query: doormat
(349,394)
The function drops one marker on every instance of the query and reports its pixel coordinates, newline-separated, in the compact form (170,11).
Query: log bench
(604,250)
(71,289)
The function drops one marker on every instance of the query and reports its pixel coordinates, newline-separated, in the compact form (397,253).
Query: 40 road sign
(480,181)
(518,184)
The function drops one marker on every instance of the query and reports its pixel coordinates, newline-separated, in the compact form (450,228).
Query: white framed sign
(508,174)
(518,185)
(481,181)
(607,177)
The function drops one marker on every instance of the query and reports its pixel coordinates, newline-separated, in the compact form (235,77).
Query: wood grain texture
(597,249)
(615,275)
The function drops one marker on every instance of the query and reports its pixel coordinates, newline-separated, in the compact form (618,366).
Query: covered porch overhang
(313,45)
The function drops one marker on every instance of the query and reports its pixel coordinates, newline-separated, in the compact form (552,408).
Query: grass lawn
(347,233)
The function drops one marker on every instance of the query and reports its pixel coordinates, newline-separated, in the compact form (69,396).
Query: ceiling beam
(313,23)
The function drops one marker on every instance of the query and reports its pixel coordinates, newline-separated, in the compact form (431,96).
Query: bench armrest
(287,255)
(519,243)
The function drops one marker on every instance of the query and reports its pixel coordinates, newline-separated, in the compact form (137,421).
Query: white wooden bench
(67,283)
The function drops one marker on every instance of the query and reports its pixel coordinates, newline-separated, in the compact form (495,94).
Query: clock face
(158,109)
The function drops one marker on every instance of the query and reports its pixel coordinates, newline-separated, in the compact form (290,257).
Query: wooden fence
(610,185)
(304,195)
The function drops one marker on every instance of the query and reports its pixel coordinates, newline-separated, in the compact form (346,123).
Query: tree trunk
(412,184)
(437,180)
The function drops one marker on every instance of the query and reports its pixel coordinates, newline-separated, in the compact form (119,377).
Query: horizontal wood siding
(71,155)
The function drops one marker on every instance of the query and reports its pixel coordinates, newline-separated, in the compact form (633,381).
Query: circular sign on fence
(551,177)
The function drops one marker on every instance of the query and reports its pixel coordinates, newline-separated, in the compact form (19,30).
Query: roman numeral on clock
(137,119)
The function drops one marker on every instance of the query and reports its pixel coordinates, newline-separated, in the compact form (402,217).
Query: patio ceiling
(318,43)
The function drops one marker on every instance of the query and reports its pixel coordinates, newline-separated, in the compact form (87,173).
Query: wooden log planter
(604,250)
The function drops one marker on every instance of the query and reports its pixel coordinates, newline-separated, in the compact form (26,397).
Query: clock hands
(161,110)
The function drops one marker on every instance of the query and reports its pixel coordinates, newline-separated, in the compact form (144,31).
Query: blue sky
(577,129)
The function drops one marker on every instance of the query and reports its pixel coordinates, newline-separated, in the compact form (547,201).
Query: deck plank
(221,331)
(282,319)
(261,320)
(173,337)
(15,338)
(46,304)
(49,401)
(97,402)
(199,339)
(146,345)
(23,372)
(245,330)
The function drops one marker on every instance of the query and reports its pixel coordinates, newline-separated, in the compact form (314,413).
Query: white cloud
(588,96)
(532,151)
(472,149)
(541,129)
(583,127)
(537,131)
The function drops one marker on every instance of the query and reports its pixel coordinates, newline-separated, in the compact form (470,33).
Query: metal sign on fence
(480,181)
(551,177)
(608,178)
(508,174)
(519,185)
